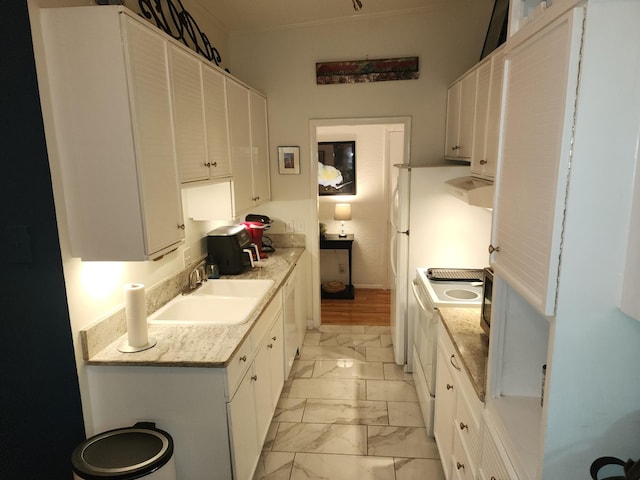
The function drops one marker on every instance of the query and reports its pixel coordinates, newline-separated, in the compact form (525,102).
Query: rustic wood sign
(358,71)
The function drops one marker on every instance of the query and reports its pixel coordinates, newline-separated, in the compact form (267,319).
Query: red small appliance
(256,230)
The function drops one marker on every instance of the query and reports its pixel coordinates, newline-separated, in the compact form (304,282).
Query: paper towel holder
(126,348)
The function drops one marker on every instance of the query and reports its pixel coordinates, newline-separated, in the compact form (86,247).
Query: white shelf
(519,421)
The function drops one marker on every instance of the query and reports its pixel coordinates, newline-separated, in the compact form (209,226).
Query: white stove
(451,293)
(430,294)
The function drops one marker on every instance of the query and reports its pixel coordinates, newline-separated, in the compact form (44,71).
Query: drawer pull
(460,466)
(243,358)
(453,357)
(274,338)
(493,478)
(270,345)
(463,426)
(254,377)
(449,386)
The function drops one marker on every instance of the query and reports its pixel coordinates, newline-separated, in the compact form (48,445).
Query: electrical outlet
(288,226)
(186,255)
(341,267)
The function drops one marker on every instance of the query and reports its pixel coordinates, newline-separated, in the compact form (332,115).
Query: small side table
(332,241)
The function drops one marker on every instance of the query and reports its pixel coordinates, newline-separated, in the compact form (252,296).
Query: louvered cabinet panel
(541,83)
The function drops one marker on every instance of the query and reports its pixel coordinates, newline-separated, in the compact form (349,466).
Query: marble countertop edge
(470,342)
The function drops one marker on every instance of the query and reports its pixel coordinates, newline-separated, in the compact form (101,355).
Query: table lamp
(342,212)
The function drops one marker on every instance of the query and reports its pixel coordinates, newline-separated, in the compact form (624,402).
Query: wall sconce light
(342,212)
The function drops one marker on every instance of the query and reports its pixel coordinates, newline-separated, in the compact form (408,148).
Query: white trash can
(140,451)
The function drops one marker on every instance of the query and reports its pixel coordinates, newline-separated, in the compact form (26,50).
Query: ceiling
(244,15)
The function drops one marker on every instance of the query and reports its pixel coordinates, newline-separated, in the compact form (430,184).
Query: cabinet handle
(449,386)
(483,162)
(254,377)
(255,199)
(463,426)
(274,338)
(451,360)
(456,147)
(493,478)
(270,345)
(243,358)
(460,466)
(182,226)
(493,249)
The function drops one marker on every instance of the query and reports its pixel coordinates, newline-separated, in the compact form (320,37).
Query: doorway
(376,151)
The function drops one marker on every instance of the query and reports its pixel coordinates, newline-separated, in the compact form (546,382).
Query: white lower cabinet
(458,414)
(494,464)
(251,407)
(218,417)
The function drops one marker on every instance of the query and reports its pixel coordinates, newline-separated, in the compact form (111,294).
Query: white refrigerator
(429,228)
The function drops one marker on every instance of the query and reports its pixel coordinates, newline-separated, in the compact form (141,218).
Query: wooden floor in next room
(347,410)
(369,307)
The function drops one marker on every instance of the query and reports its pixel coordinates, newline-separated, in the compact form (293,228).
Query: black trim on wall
(40,410)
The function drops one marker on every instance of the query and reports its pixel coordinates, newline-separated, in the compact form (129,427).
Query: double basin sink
(216,302)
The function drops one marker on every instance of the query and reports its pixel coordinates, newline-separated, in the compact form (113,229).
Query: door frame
(314,241)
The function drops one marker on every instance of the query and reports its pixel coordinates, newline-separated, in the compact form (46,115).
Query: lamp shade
(342,211)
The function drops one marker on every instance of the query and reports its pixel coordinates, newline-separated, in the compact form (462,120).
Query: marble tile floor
(348,412)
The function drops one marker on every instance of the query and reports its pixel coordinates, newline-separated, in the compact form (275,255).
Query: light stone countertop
(202,345)
(470,342)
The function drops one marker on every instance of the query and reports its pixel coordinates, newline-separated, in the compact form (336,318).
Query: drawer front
(468,426)
(237,367)
(462,467)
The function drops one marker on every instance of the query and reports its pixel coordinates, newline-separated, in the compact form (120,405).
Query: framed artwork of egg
(337,168)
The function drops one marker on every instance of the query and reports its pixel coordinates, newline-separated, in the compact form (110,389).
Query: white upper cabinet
(259,148)
(113,133)
(200,118)
(249,147)
(541,85)
(216,123)
(486,128)
(461,99)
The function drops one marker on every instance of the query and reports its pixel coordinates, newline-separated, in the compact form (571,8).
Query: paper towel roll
(136,312)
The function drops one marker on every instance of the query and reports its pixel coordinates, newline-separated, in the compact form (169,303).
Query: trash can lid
(123,453)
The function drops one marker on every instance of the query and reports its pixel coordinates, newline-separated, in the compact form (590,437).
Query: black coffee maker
(230,248)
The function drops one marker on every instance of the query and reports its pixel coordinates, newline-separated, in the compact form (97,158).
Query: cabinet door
(453,120)
(216,125)
(243,429)
(151,110)
(188,114)
(290,327)
(259,149)
(262,390)
(494,464)
(479,159)
(541,88)
(493,115)
(467,107)
(240,133)
(444,412)
(275,344)
(302,279)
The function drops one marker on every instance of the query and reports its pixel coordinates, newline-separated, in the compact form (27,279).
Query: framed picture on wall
(289,160)
(337,168)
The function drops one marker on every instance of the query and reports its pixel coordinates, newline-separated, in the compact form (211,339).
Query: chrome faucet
(196,278)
